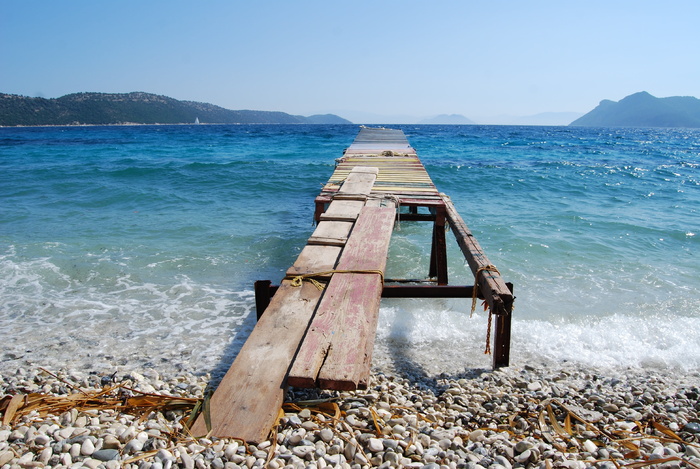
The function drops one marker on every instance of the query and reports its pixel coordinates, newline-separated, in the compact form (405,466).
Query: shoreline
(511,417)
(163,124)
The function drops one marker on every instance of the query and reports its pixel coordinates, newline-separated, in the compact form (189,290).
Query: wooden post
(320,206)
(438,253)
(262,296)
(501,338)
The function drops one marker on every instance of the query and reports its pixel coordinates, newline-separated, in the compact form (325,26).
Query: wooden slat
(359,181)
(339,196)
(331,233)
(248,399)
(315,259)
(343,210)
(349,309)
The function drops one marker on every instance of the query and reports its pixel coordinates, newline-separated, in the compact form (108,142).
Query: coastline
(135,124)
(564,415)
(100,302)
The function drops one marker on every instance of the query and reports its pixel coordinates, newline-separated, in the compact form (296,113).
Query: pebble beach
(564,415)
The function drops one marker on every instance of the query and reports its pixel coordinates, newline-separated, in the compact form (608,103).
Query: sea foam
(138,247)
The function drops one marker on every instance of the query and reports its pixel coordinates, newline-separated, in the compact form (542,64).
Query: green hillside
(135,108)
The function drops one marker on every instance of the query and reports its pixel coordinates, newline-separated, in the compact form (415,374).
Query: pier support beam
(494,290)
(438,253)
(501,338)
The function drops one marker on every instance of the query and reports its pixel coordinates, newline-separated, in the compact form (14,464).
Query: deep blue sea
(137,246)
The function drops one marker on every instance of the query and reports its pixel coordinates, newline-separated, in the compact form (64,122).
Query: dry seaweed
(114,398)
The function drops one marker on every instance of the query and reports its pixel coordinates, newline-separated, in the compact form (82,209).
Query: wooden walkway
(319,324)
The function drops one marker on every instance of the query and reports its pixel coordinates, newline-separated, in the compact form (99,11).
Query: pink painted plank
(349,308)
(348,359)
(368,244)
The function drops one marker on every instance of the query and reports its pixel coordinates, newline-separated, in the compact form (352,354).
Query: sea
(136,247)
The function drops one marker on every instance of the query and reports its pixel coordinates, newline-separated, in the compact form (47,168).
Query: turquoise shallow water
(138,246)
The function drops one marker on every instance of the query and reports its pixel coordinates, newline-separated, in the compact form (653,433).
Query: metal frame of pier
(317,328)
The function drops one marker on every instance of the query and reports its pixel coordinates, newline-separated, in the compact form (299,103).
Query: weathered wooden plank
(247,401)
(368,244)
(494,289)
(350,353)
(315,258)
(350,307)
(343,210)
(317,341)
(334,233)
(359,180)
(350,357)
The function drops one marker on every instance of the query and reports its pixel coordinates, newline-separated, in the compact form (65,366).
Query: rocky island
(644,110)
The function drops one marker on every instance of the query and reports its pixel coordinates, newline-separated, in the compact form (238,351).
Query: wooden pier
(317,328)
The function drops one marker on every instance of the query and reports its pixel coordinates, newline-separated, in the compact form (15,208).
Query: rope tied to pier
(297,280)
(397,205)
(491,268)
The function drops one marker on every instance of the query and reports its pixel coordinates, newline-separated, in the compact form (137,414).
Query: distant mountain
(135,108)
(644,110)
(447,119)
(326,119)
(543,118)
(549,118)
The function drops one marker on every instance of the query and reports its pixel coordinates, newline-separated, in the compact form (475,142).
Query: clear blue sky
(418,58)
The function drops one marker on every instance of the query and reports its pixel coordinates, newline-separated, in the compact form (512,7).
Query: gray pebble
(106,454)
(692,427)
(326,434)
